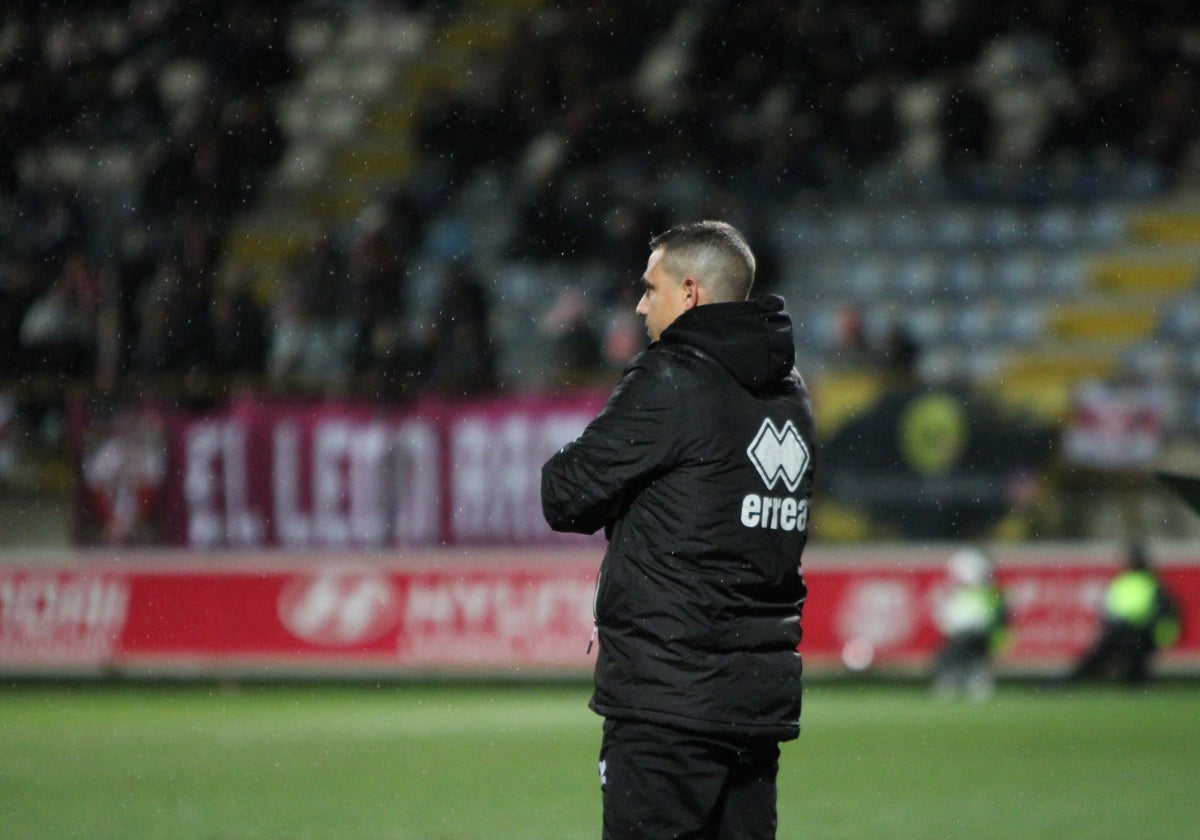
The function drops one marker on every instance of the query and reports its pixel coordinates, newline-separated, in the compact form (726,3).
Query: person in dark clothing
(1140,617)
(700,470)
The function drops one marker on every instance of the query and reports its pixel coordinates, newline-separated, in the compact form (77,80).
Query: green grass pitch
(491,762)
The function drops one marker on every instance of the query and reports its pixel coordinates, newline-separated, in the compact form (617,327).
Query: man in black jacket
(699,469)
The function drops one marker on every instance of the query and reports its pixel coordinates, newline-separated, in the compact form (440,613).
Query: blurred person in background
(239,329)
(309,348)
(1139,617)
(58,330)
(371,300)
(578,346)
(175,326)
(972,617)
(699,469)
(57,341)
(462,355)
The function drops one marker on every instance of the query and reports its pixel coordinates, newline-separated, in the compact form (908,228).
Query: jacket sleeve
(586,484)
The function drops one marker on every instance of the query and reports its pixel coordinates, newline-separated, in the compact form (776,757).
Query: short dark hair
(715,253)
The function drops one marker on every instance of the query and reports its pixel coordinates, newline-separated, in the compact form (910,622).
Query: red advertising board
(238,614)
(882,614)
(495,612)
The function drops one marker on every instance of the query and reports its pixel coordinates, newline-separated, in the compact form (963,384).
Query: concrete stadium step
(489,29)
(840,395)
(1042,381)
(256,244)
(1039,392)
(1127,272)
(372,161)
(392,119)
(511,5)
(334,205)
(1169,226)
(1071,359)
(1116,322)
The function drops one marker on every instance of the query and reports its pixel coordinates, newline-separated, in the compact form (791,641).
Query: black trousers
(660,783)
(1122,652)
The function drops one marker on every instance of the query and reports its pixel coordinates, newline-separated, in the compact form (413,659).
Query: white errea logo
(777,454)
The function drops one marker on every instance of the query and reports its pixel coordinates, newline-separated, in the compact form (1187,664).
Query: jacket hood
(750,339)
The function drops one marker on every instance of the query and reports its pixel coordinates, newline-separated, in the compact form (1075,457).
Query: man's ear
(691,290)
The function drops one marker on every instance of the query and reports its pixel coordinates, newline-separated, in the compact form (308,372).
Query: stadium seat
(182,82)
(1057,226)
(1019,275)
(850,228)
(907,229)
(1065,275)
(917,277)
(1023,323)
(309,37)
(1181,321)
(864,278)
(1152,273)
(967,277)
(1107,226)
(65,163)
(928,324)
(1101,321)
(1152,360)
(304,166)
(977,324)
(1003,227)
(115,168)
(956,227)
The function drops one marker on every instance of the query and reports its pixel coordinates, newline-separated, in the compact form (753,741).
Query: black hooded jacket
(699,468)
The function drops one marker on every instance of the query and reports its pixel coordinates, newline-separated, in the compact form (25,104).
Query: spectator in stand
(57,221)
(463,361)
(310,346)
(174,337)
(372,301)
(239,330)
(17,291)
(58,343)
(1169,136)
(56,334)
(576,342)
(257,143)
(587,98)
(58,331)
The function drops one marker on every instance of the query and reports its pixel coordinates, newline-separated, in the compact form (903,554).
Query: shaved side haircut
(714,253)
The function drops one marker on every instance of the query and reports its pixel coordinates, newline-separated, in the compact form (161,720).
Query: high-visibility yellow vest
(1131,598)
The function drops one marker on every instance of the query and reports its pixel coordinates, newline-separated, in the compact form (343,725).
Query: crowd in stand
(108,284)
(601,118)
